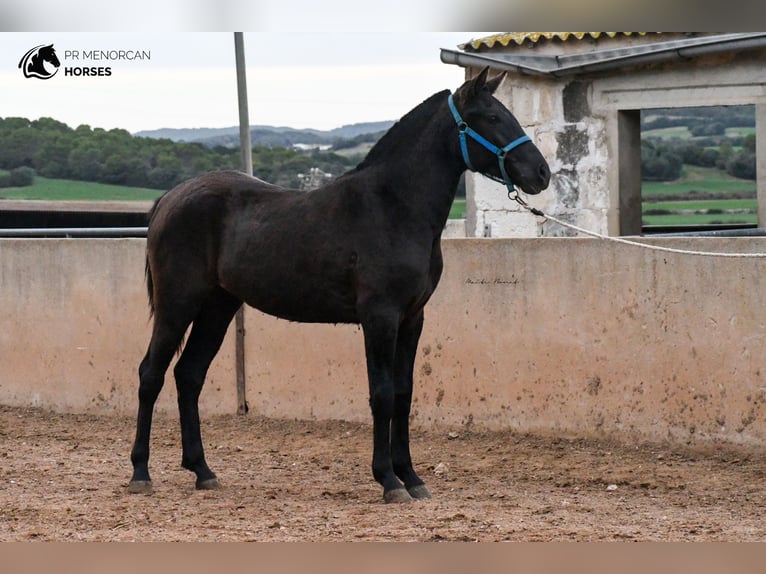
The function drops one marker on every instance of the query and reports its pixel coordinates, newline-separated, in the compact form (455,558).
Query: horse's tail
(147,268)
(150,287)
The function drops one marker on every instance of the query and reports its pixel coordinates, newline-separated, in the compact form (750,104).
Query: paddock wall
(573,336)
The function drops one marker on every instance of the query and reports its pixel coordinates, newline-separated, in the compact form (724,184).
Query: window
(697,168)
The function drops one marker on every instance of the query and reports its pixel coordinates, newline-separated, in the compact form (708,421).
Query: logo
(33,62)
(42,62)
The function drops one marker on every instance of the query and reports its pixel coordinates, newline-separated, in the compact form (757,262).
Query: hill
(51,149)
(270,136)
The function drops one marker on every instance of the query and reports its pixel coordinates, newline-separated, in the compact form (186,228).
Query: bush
(19,177)
(742,165)
(707,128)
(660,164)
(658,212)
(22,176)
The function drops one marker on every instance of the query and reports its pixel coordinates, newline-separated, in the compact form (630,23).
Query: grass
(701,179)
(682,132)
(700,219)
(702,205)
(47,189)
(657,195)
(457,211)
(707,189)
(743,131)
(67,190)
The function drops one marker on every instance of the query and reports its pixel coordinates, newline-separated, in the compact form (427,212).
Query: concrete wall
(572,336)
(75,325)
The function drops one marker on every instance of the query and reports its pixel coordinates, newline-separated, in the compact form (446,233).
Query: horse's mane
(411,124)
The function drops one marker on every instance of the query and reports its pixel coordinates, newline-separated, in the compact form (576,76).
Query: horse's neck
(428,173)
(418,161)
(425,184)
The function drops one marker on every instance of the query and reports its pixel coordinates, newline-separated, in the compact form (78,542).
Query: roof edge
(598,60)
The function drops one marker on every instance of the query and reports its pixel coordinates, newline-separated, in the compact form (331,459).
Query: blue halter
(464,129)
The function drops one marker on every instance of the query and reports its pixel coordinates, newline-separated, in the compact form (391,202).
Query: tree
(725,154)
(742,165)
(52,158)
(748,143)
(659,162)
(49,125)
(118,169)
(19,147)
(55,150)
(85,161)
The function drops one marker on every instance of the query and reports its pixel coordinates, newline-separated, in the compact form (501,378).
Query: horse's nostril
(544,171)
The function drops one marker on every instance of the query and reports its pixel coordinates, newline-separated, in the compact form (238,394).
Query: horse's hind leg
(207,334)
(406,350)
(166,338)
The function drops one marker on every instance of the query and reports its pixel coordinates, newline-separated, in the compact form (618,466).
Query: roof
(578,62)
(520,38)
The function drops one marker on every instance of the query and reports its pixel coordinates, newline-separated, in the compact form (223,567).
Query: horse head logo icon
(33,62)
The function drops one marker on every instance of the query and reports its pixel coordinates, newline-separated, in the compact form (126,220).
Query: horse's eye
(494,119)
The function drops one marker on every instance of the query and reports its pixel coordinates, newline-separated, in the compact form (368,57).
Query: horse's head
(48,53)
(506,153)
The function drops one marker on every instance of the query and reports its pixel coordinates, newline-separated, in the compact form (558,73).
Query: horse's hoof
(419,492)
(140,487)
(209,484)
(397,496)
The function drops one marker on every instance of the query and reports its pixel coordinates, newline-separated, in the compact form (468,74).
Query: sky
(311,64)
(300,79)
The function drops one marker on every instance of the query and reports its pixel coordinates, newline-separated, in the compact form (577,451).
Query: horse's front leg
(380,333)
(404,363)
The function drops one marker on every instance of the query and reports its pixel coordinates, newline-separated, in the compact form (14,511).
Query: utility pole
(247,167)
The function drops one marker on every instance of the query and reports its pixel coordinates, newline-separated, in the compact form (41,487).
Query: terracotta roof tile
(520,38)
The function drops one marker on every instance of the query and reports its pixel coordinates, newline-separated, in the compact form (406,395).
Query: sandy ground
(64,477)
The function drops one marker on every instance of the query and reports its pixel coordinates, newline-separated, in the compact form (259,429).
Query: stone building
(579,95)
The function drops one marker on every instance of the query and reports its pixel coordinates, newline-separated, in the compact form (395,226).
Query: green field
(702,205)
(704,180)
(682,132)
(714,195)
(706,187)
(66,190)
(678,220)
(457,211)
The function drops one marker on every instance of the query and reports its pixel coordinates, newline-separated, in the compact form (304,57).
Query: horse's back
(210,188)
(203,202)
(187,224)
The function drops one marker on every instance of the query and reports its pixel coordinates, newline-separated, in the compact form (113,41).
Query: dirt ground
(64,477)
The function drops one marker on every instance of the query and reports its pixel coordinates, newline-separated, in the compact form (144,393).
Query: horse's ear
(472,87)
(493,84)
(475,85)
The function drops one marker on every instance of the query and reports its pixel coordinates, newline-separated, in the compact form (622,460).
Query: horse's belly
(305,312)
(299,299)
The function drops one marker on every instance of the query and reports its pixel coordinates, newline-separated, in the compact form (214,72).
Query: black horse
(363,249)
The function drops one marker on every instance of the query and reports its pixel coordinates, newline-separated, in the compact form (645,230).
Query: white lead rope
(547,217)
